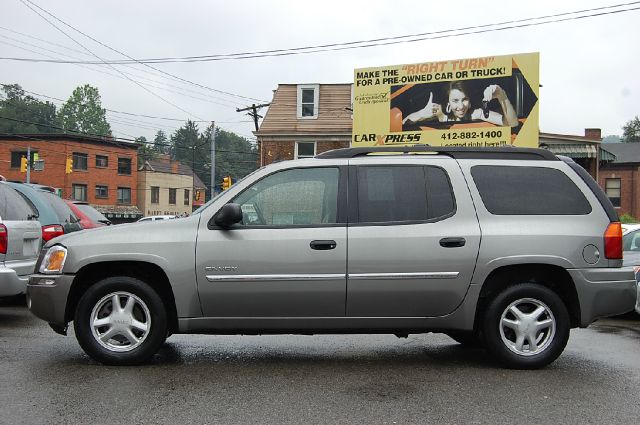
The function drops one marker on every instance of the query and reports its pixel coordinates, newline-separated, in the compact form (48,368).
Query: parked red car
(89,216)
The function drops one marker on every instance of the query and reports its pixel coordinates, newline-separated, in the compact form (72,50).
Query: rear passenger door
(413,239)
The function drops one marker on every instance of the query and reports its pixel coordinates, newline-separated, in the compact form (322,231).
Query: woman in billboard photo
(459,108)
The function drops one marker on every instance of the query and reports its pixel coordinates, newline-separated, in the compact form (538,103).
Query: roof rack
(457,152)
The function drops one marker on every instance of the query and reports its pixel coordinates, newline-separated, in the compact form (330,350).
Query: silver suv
(20,238)
(505,248)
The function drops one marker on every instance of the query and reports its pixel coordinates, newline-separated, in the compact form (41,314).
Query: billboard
(477,102)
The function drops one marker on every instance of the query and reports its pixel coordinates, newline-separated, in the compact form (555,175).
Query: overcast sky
(588,67)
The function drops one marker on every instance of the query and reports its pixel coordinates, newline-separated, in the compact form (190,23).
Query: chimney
(593,133)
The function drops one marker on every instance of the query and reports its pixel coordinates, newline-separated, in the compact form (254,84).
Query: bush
(628,218)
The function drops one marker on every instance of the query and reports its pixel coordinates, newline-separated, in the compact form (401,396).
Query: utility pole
(212,136)
(254,114)
(28,164)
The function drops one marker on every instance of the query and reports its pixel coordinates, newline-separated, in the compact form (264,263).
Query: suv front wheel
(120,321)
(526,326)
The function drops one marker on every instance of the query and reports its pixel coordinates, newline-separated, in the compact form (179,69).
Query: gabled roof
(164,164)
(626,153)
(334,113)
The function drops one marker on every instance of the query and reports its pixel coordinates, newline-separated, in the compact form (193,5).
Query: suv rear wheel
(120,321)
(526,326)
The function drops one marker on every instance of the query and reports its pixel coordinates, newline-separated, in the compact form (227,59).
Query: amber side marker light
(56,260)
(613,241)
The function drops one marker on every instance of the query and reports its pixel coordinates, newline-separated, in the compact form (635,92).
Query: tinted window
(12,205)
(307,196)
(403,193)
(62,210)
(528,191)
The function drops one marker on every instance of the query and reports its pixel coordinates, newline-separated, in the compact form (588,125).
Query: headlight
(54,259)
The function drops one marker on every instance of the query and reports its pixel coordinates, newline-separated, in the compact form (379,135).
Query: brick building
(104,171)
(304,120)
(620,178)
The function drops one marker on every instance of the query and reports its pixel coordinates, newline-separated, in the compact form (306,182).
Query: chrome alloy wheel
(120,321)
(527,326)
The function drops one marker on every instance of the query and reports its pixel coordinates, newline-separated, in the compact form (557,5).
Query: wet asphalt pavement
(45,378)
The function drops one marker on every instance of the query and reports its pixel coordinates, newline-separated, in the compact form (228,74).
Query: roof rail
(457,152)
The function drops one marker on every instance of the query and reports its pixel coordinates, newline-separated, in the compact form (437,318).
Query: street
(199,379)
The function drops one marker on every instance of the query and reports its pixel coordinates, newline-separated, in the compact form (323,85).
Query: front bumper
(11,283)
(604,292)
(47,296)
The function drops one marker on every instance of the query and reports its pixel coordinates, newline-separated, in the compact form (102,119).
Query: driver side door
(287,258)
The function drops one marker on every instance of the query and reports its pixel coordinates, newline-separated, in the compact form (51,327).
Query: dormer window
(308,95)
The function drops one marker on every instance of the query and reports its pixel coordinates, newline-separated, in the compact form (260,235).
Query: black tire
(147,309)
(467,339)
(501,339)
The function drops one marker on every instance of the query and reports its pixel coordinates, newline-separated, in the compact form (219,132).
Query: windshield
(93,214)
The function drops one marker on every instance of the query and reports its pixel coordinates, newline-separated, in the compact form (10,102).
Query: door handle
(452,242)
(322,245)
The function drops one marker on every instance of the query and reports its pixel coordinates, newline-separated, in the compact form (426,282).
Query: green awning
(605,155)
(574,150)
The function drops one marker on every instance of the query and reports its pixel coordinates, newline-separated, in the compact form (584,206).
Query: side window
(508,190)
(403,193)
(303,196)
(13,206)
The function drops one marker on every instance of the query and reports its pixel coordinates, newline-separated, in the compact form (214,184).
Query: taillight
(613,241)
(4,239)
(52,231)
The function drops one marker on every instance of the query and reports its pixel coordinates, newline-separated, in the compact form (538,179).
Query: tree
(145,151)
(235,155)
(631,131)
(83,112)
(160,143)
(25,114)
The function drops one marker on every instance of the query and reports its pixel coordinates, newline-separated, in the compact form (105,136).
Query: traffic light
(68,166)
(24,163)
(226,182)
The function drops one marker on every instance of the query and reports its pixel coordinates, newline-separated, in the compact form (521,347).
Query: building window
(102,192)
(16,157)
(172,196)
(79,192)
(186,196)
(612,188)
(124,165)
(124,195)
(305,150)
(155,195)
(308,95)
(102,161)
(80,161)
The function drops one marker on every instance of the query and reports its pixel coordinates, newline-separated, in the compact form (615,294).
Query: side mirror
(228,215)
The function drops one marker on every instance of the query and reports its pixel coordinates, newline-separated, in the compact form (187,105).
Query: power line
(410,38)
(99,58)
(157,73)
(139,62)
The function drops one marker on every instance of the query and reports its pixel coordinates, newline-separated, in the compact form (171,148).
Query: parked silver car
(20,239)
(508,248)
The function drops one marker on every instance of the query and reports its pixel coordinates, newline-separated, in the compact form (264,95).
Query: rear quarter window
(508,190)
(12,205)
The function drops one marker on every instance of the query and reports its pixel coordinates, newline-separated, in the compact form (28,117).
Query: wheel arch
(150,273)
(554,277)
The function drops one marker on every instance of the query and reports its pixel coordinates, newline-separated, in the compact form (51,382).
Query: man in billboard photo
(459,108)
